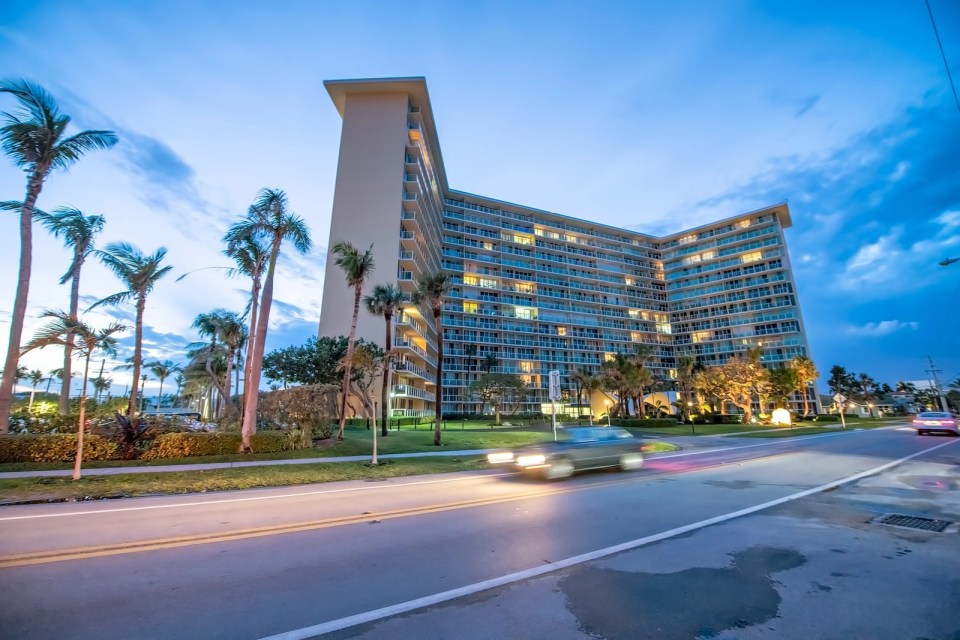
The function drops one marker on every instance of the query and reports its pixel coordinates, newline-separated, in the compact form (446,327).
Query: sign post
(841,401)
(554,393)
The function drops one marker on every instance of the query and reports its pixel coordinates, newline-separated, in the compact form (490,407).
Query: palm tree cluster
(35,138)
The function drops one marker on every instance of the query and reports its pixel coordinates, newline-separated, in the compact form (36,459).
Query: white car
(929,421)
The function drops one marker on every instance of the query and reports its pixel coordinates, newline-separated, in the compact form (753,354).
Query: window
(488,283)
(561,331)
(471,280)
(470,307)
(753,256)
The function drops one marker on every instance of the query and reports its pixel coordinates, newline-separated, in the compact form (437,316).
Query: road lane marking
(445,596)
(301,494)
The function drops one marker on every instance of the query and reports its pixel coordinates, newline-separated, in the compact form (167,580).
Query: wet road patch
(699,602)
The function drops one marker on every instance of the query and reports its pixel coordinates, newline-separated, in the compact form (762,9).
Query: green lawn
(787,432)
(127,485)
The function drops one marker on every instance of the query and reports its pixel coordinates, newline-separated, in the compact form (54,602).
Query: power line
(943,55)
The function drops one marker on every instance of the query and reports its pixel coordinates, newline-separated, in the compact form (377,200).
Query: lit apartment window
(527,313)
(524,287)
(470,307)
(700,336)
(636,336)
(488,246)
(743,224)
(527,380)
(471,280)
(636,313)
(751,257)
(629,280)
(609,357)
(523,240)
(526,366)
(487,283)
(561,331)
(538,231)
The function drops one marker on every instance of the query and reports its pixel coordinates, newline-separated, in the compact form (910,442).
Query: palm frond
(116,298)
(74,147)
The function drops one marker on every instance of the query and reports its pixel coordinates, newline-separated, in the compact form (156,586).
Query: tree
(735,382)
(140,273)
(783,382)
(499,390)
(840,381)
(386,300)
(685,366)
(581,379)
(267,221)
(35,377)
(642,353)
(250,257)
(226,328)
(180,380)
(867,387)
(86,341)
(489,363)
(906,387)
(100,385)
(368,362)
(807,374)
(357,267)
(34,139)
(78,231)
(616,377)
(163,370)
(315,362)
(432,291)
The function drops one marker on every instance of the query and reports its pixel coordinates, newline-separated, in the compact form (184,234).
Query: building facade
(534,291)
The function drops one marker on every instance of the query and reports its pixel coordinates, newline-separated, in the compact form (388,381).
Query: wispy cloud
(806,105)
(882,328)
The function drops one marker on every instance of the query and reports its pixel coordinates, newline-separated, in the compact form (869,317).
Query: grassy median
(22,490)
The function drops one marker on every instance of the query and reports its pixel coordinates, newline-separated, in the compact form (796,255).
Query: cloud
(164,175)
(882,328)
(806,105)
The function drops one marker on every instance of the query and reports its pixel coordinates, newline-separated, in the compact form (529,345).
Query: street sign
(554,385)
(839,398)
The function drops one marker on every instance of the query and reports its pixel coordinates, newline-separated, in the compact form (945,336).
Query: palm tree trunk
(256,356)
(34,185)
(387,370)
(160,394)
(347,370)
(254,307)
(806,402)
(439,402)
(64,407)
(78,460)
(137,357)
(228,406)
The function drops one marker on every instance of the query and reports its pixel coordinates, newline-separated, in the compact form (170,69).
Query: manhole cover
(913,522)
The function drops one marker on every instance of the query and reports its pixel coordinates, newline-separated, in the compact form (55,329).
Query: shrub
(311,408)
(649,423)
(61,447)
(185,445)
(829,417)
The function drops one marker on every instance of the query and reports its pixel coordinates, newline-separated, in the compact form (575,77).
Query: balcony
(406,391)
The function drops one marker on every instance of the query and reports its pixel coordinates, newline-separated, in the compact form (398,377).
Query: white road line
(437,598)
(377,486)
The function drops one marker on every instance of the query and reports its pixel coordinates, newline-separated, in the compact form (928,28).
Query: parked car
(577,449)
(929,421)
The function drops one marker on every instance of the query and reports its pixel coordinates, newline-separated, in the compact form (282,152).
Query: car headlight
(531,460)
(500,457)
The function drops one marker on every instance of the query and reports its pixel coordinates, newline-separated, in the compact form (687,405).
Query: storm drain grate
(913,522)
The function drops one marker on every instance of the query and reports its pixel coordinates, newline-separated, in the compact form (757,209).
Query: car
(930,421)
(577,449)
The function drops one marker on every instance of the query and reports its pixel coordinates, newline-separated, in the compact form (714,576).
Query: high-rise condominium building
(532,290)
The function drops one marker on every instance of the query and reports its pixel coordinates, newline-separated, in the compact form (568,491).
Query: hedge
(59,447)
(641,423)
(185,445)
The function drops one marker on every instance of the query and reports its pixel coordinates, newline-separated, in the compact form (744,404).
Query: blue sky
(646,115)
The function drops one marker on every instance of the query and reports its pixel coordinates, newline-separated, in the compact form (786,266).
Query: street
(708,541)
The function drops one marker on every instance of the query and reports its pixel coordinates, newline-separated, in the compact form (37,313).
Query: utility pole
(933,371)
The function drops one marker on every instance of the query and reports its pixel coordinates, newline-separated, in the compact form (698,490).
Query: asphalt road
(437,556)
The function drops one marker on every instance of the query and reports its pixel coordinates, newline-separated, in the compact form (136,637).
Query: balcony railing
(406,391)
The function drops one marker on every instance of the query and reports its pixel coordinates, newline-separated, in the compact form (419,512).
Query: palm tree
(685,366)
(100,385)
(143,385)
(140,273)
(180,380)
(228,329)
(386,300)
(642,353)
(807,374)
(86,341)
(163,370)
(251,258)
(357,267)
(269,221)
(35,377)
(432,290)
(78,231)
(489,363)
(34,139)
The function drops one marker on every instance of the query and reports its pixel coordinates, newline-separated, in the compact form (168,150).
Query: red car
(929,421)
